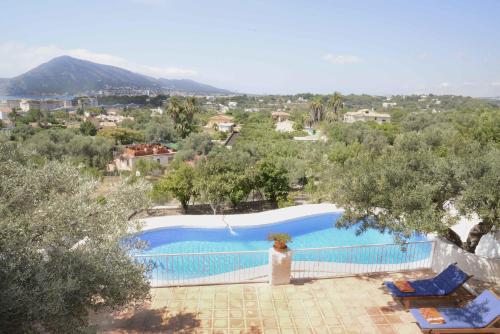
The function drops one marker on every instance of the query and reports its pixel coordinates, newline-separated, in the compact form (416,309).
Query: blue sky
(374,47)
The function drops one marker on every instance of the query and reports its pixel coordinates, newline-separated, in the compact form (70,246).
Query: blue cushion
(441,285)
(478,313)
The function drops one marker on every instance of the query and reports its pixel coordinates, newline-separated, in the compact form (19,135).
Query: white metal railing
(351,260)
(205,268)
(253,266)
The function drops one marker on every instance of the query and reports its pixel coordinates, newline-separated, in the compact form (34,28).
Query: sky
(269,47)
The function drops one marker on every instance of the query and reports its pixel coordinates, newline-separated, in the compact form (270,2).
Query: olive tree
(179,183)
(63,249)
(481,194)
(211,184)
(273,179)
(409,186)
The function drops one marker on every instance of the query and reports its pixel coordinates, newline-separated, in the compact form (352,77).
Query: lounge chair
(478,316)
(440,286)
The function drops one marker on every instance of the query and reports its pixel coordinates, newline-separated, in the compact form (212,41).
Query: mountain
(191,86)
(3,83)
(69,76)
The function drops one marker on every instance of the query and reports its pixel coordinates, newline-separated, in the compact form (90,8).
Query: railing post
(280,266)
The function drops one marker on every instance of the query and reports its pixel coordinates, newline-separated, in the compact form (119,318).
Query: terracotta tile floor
(340,305)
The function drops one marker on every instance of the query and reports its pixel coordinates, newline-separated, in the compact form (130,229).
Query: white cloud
(444,84)
(495,83)
(17,58)
(342,59)
(423,55)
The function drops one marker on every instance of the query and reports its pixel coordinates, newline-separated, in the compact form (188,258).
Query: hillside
(68,76)
(191,86)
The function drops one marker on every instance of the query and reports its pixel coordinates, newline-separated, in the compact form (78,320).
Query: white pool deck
(239,220)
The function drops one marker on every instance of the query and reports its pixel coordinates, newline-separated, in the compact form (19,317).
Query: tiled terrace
(339,305)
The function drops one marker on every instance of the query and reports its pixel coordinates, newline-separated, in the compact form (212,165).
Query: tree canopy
(62,245)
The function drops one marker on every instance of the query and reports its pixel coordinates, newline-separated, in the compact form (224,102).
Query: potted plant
(280,240)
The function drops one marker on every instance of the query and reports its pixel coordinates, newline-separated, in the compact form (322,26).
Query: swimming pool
(316,231)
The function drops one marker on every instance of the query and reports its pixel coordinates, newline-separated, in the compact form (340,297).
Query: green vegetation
(436,151)
(88,128)
(122,136)
(144,100)
(280,240)
(406,186)
(61,245)
(273,180)
(281,237)
(60,232)
(182,114)
(178,183)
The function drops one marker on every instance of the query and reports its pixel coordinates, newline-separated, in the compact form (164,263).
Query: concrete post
(280,267)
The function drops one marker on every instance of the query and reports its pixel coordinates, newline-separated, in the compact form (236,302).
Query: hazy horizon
(376,48)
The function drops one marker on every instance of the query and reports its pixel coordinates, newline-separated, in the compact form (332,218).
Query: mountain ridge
(66,75)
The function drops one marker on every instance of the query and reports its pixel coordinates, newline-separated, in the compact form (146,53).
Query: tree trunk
(475,235)
(214,208)
(184,206)
(453,237)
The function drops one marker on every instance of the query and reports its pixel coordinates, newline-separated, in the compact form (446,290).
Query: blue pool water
(307,232)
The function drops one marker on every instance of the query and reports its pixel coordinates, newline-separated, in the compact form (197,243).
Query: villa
(156,111)
(112,118)
(280,116)
(4,113)
(87,102)
(214,122)
(225,127)
(365,115)
(44,105)
(389,104)
(285,126)
(107,125)
(127,161)
(310,288)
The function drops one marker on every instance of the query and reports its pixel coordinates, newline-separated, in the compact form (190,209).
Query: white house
(214,122)
(225,127)
(252,109)
(156,111)
(280,116)
(232,104)
(365,115)
(4,113)
(389,104)
(111,118)
(285,126)
(86,102)
(223,109)
(27,105)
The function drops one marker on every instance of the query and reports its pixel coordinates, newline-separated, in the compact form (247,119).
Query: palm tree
(316,107)
(334,102)
(182,114)
(174,109)
(14,115)
(191,106)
